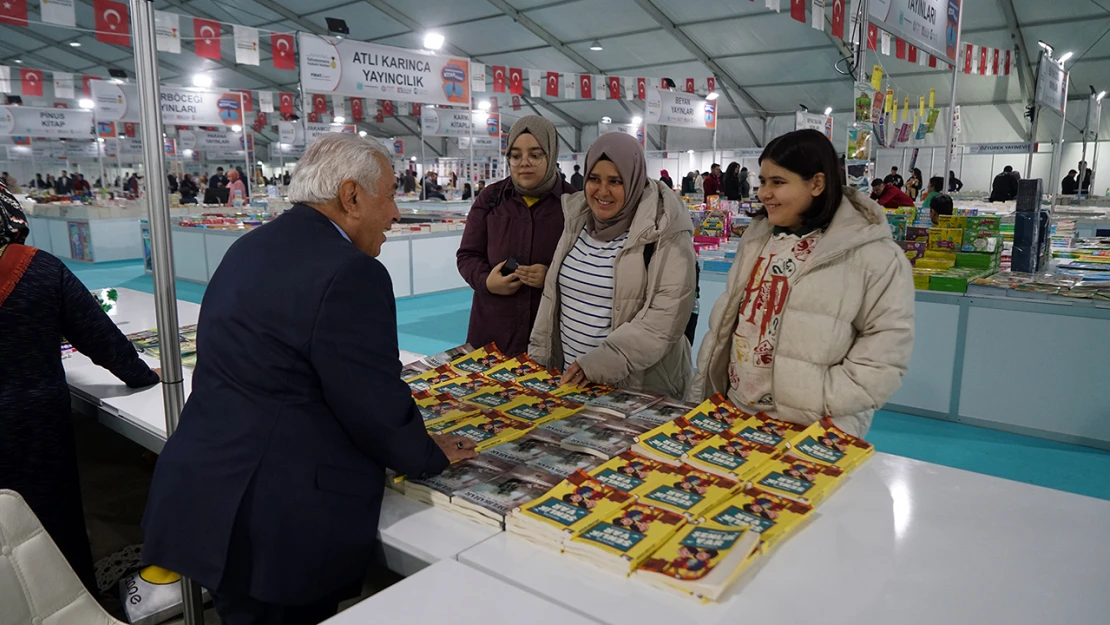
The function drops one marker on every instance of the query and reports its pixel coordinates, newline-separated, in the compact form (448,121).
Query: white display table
(902,542)
(414,534)
(85,232)
(449,593)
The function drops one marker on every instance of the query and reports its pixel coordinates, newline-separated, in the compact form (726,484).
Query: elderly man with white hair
(268,493)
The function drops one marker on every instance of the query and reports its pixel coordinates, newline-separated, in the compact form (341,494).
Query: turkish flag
(387,108)
(913,54)
(281,47)
(552,84)
(516,103)
(31,79)
(378,117)
(319,103)
(112,22)
(86,86)
(932,61)
(129,129)
(1007,62)
(838,19)
(872,36)
(711,83)
(516,81)
(614,88)
(641,88)
(207,38)
(61,105)
(13,12)
(356,110)
(994,60)
(968,53)
(285,103)
(690,85)
(982,61)
(798,10)
(493,108)
(248,100)
(900,48)
(314,117)
(499,79)
(586,87)
(415,109)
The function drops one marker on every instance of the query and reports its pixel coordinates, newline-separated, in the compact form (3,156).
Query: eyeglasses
(534,157)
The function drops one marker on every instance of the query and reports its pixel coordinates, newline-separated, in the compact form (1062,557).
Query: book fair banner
(1052,85)
(816,121)
(439,122)
(180,106)
(930,25)
(296,133)
(206,141)
(39,153)
(358,69)
(674,108)
(45,122)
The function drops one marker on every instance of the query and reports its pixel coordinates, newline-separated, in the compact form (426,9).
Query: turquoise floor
(431,323)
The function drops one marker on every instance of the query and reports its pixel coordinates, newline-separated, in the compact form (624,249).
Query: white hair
(330,160)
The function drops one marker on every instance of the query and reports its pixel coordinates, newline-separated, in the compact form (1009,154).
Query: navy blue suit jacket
(297,407)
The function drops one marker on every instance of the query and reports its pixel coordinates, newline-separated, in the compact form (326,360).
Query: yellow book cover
(767,431)
(824,443)
(463,385)
(494,395)
(670,441)
(730,456)
(543,381)
(798,479)
(426,380)
(630,473)
(703,559)
(626,539)
(538,409)
(688,491)
(489,429)
(480,360)
(568,507)
(513,369)
(772,516)
(438,408)
(716,415)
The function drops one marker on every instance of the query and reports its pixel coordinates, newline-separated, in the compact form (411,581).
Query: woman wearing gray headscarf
(621,287)
(518,220)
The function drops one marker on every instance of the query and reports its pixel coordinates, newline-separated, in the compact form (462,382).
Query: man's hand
(574,375)
(502,285)
(532,275)
(157,371)
(456,448)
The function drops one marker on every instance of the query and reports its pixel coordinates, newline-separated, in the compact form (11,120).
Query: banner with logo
(1052,85)
(286,150)
(674,108)
(440,122)
(481,143)
(367,70)
(39,153)
(180,106)
(816,121)
(296,133)
(1001,148)
(84,150)
(203,140)
(928,24)
(45,122)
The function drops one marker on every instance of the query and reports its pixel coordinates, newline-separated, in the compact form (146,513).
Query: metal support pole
(1083,159)
(165,290)
(1058,159)
(100,147)
(472,175)
(952,108)
(1094,170)
(714,146)
(423,165)
(1033,139)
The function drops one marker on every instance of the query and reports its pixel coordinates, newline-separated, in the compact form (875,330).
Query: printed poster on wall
(180,106)
(674,108)
(928,24)
(816,121)
(45,122)
(359,69)
(79,247)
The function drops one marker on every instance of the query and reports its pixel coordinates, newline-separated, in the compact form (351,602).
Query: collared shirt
(341,231)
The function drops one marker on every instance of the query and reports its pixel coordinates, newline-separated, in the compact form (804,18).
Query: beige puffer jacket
(647,349)
(847,326)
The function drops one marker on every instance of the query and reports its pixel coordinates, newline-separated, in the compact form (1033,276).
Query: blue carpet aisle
(432,323)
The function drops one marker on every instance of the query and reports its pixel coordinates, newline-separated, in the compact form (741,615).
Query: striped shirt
(586,294)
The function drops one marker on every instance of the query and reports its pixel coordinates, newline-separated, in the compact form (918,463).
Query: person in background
(1069,185)
(133,184)
(954,184)
(218,180)
(894,179)
(64,184)
(171,180)
(730,185)
(481,186)
(235,185)
(188,190)
(50,182)
(1085,186)
(1005,186)
(745,184)
(467,192)
(913,185)
(935,188)
(285,178)
(887,195)
(10,182)
(712,183)
(40,183)
(431,189)
(246,183)
(941,205)
(520,217)
(81,186)
(835,339)
(202,181)
(269,492)
(409,182)
(699,181)
(576,178)
(621,287)
(454,180)
(665,178)
(42,305)
(688,187)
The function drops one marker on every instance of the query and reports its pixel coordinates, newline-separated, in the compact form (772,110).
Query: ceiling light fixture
(1101,95)
(828,111)
(1067,55)
(20,61)
(433,41)
(362,133)
(606,120)
(100,139)
(689,151)
(75,44)
(637,120)
(188,152)
(339,119)
(86,104)
(202,80)
(483,105)
(713,95)
(596,46)
(236,128)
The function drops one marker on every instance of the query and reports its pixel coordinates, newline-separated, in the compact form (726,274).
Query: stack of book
(565,511)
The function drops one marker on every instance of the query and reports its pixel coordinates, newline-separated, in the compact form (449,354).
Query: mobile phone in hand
(510,266)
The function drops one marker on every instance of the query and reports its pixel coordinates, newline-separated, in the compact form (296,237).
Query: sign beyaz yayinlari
(675,108)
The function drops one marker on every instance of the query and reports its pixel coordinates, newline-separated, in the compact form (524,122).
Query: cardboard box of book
(914,250)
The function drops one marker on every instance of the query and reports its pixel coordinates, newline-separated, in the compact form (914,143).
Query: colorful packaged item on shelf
(983,223)
(703,560)
(807,482)
(689,491)
(977,260)
(729,456)
(826,444)
(921,277)
(621,543)
(773,517)
(898,225)
(981,241)
(948,239)
(917,233)
(670,441)
(712,223)
(914,250)
(934,263)
(952,221)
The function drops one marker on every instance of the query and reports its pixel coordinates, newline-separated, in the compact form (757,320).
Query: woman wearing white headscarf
(620,290)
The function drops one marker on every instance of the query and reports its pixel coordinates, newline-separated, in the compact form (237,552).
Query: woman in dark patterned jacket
(41,304)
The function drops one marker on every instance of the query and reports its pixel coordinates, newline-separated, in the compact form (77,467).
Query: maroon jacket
(501,225)
(892,197)
(711,185)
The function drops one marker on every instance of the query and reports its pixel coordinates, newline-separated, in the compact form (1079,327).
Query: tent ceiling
(780,62)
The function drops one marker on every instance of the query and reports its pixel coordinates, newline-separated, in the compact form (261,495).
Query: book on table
(489,428)
(445,357)
(414,369)
(425,380)
(489,502)
(688,491)
(702,560)
(663,412)
(479,360)
(534,445)
(583,393)
(632,474)
(800,480)
(513,369)
(464,385)
(564,462)
(623,402)
(606,439)
(716,415)
(437,489)
(542,381)
(772,516)
(824,443)
(537,409)
(493,394)
(621,541)
(729,456)
(669,442)
(565,511)
(435,409)
(585,418)
(770,432)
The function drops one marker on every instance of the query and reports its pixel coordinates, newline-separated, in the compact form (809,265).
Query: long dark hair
(733,170)
(808,153)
